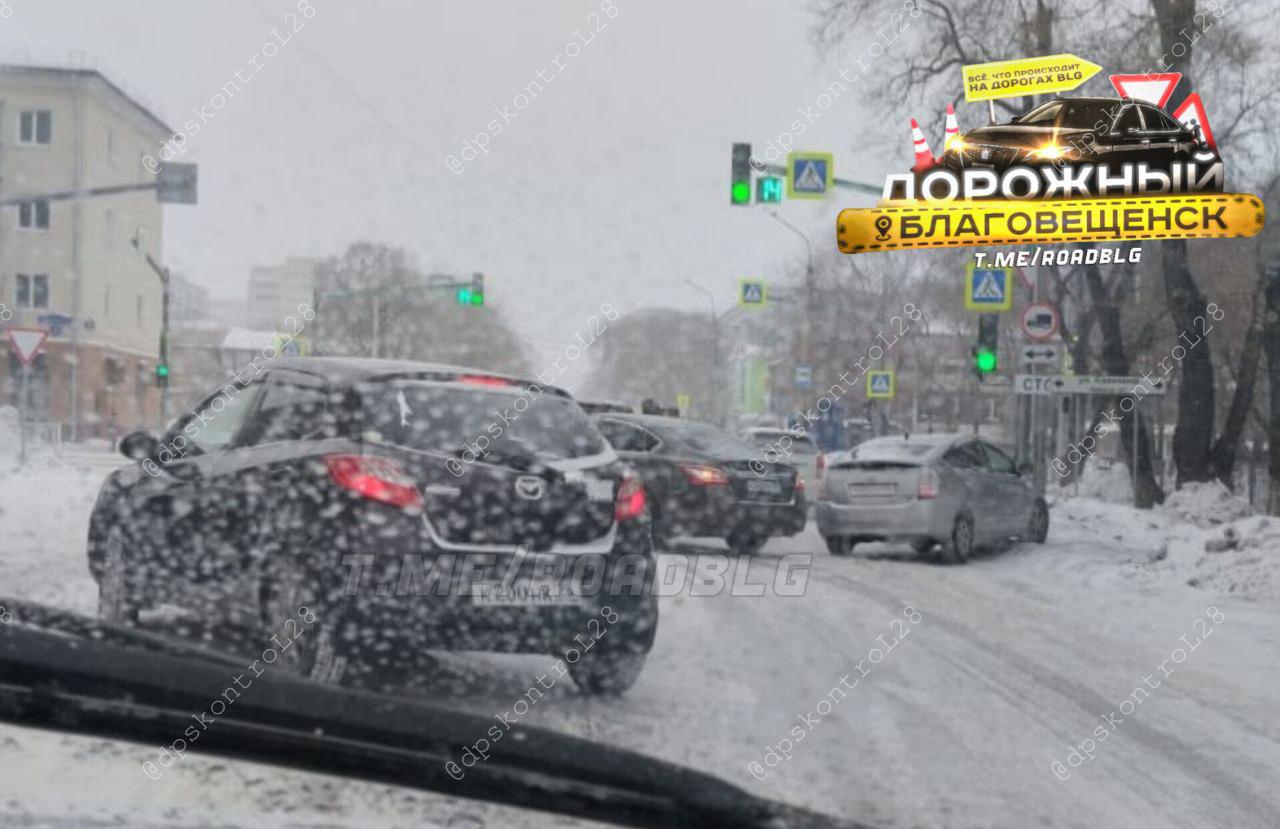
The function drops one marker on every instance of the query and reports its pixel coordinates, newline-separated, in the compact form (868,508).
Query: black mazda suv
(410,506)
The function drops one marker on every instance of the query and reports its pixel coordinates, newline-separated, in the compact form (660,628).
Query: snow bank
(1206,504)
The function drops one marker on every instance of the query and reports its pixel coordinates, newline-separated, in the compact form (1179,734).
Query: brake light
(704,475)
(930,483)
(799,484)
(631,500)
(377,479)
(821,466)
(484,380)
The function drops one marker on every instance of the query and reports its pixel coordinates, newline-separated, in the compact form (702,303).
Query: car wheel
(959,547)
(1038,527)
(840,545)
(745,542)
(306,649)
(116,602)
(614,661)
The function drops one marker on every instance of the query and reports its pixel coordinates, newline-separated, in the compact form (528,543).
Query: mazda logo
(529,487)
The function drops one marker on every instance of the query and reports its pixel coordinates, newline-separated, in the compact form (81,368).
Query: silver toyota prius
(956,491)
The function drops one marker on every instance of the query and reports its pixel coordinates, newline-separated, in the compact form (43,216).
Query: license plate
(871,490)
(764,487)
(524,593)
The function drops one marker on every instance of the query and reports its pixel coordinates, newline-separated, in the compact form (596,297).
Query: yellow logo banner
(1027,76)
(903,225)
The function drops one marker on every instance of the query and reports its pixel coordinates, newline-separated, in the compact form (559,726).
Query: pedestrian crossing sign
(988,289)
(751,293)
(881,385)
(809,175)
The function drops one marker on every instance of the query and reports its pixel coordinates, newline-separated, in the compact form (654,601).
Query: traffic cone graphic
(924,158)
(953,129)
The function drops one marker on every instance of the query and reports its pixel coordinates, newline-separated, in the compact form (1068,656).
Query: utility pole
(165,282)
(809,291)
(717,369)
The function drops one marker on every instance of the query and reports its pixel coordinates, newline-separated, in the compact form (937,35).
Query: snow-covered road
(905,693)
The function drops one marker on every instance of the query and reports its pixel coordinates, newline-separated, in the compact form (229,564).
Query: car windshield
(662,413)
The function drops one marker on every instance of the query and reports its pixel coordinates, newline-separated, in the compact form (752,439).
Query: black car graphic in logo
(1079,130)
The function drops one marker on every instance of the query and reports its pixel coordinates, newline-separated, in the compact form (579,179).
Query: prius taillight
(929,485)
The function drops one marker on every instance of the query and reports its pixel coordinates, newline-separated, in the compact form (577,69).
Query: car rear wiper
(64,673)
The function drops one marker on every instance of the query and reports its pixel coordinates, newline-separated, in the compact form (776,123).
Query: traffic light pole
(165,282)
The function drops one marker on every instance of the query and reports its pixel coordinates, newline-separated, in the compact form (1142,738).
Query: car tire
(840,545)
(959,546)
(116,599)
(312,653)
(615,660)
(1038,524)
(745,542)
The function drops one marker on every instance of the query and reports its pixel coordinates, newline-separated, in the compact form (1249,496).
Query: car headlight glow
(955,144)
(1049,151)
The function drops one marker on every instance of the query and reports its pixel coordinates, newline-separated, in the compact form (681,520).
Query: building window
(35,126)
(138,309)
(109,230)
(106,303)
(111,147)
(31,291)
(33,215)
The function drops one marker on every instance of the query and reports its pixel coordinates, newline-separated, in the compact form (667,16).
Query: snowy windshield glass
(768,415)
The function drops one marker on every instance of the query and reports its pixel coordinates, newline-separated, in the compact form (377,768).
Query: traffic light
(740,177)
(769,190)
(473,295)
(162,374)
(986,353)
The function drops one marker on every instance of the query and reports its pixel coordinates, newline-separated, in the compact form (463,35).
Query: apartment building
(275,291)
(69,266)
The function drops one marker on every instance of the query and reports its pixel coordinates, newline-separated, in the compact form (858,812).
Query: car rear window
(709,439)
(882,453)
(500,423)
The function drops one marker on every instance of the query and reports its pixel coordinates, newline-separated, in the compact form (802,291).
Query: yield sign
(1154,88)
(26,342)
(1192,116)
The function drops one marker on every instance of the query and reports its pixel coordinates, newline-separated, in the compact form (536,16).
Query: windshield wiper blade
(54,675)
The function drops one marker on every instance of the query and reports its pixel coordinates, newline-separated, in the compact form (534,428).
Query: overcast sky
(610,186)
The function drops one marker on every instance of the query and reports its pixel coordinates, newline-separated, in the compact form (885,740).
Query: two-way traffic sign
(1040,354)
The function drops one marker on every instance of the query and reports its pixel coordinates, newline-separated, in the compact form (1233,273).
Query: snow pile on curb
(1109,484)
(1207,504)
(1202,536)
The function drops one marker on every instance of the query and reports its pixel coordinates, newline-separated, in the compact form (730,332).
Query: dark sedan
(1073,130)
(409,506)
(703,481)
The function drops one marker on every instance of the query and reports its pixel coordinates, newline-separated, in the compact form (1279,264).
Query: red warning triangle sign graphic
(26,342)
(1192,116)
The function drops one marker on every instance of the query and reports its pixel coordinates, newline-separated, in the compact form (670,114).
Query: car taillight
(930,483)
(799,483)
(704,475)
(630,501)
(378,479)
(821,466)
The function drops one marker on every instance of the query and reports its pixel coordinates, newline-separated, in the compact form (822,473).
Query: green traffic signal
(769,190)
(467,296)
(985,360)
(741,192)
(162,371)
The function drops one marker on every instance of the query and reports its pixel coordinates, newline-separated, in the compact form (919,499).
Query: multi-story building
(188,301)
(275,291)
(69,265)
